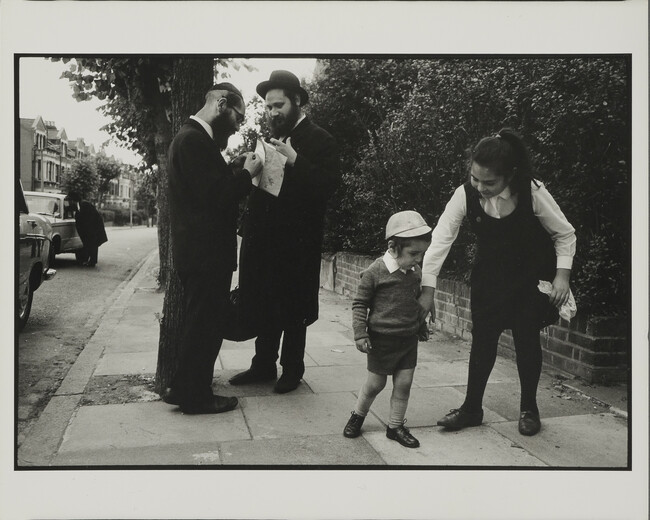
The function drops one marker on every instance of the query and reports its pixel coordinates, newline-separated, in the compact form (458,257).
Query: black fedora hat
(283,79)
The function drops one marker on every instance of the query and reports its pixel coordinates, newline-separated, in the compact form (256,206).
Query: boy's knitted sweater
(387,303)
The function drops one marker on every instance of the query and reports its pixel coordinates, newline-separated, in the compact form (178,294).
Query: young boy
(387,320)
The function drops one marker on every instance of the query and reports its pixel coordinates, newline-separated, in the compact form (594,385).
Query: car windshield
(43,205)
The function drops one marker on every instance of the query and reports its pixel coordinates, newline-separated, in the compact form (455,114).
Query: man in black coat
(90,227)
(203,198)
(280,256)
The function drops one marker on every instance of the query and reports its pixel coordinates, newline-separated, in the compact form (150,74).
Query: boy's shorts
(392,353)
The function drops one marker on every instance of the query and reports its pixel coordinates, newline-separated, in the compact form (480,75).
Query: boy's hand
(363,345)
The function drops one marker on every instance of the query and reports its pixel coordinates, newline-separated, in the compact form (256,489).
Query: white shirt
(205,125)
(391,263)
(544,206)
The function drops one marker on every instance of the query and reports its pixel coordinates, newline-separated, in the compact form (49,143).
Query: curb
(43,440)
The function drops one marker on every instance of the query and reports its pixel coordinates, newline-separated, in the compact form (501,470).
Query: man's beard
(222,130)
(280,126)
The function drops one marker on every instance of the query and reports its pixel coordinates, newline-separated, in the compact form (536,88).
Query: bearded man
(203,201)
(280,256)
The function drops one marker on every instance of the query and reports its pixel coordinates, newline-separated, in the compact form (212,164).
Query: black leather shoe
(353,428)
(458,418)
(402,435)
(170,396)
(251,376)
(219,404)
(286,383)
(529,423)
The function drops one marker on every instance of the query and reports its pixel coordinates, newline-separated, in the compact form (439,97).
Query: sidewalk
(105,412)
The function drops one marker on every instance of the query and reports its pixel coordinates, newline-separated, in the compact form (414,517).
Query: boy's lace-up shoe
(353,428)
(529,423)
(458,418)
(402,435)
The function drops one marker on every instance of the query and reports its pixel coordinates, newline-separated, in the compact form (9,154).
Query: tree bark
(191,79)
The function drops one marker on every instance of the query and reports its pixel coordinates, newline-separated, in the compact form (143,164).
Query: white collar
(391,264)
(505,194)
(205,125)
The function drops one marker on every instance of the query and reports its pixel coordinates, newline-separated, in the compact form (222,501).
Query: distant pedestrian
(204,193)
(90,227)
(523,237)
(388,321)
(279,273)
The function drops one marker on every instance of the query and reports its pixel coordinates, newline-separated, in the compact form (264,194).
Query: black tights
(485,338)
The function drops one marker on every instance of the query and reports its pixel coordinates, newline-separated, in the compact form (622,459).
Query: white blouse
(544,206)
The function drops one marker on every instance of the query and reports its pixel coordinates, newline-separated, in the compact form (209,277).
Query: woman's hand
(285,149)
(363,345)
(426,300)
(560,292)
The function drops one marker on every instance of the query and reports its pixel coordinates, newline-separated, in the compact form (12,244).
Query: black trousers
(267,346)
(485,337)
(90,254)
(205,297)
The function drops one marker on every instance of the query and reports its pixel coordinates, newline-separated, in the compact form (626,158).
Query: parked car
(35,239)
(56,208)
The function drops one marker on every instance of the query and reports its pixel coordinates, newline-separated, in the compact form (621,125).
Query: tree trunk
(191,79)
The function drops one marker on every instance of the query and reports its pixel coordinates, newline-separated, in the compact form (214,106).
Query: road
(67,311)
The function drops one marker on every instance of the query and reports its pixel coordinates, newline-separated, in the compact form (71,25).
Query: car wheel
(24,305)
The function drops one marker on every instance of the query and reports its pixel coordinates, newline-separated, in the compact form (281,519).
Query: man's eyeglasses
(239,116)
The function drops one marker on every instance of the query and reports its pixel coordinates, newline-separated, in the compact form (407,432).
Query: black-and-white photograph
(414,265)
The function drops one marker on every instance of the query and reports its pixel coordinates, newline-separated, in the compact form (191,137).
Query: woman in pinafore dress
(522,237)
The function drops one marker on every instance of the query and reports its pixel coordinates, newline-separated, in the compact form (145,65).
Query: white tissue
(569,309)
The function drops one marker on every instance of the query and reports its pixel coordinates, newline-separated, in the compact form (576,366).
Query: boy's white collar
(391,263)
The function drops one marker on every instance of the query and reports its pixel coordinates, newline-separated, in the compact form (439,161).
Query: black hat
(283,79)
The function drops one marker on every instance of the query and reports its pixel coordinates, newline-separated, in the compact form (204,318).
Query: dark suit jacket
(203,202)
(282,237)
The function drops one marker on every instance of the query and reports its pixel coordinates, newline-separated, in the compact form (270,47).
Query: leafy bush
(574,114)
(107,214)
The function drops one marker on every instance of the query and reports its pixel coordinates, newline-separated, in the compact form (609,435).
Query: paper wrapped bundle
(270,180)
(569,309)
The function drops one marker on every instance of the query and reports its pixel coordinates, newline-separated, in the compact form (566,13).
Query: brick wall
(592,348)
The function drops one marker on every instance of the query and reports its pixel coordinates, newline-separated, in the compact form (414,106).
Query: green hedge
(574,114)
(121,216)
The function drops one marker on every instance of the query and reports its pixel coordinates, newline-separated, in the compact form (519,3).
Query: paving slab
(431,373)
(133,338)
(119,426)
(504,398)
(221,386)
(240,359)
(326,324)
(335,378)
(197,454)
(293,415)
(426,405)
(326,339)
(238,345)
(127,363)
(321,450)
(480,446)
(337,355)
(441,348)
(578,441)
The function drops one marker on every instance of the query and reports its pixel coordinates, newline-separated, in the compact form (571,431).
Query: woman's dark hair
(505,153)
